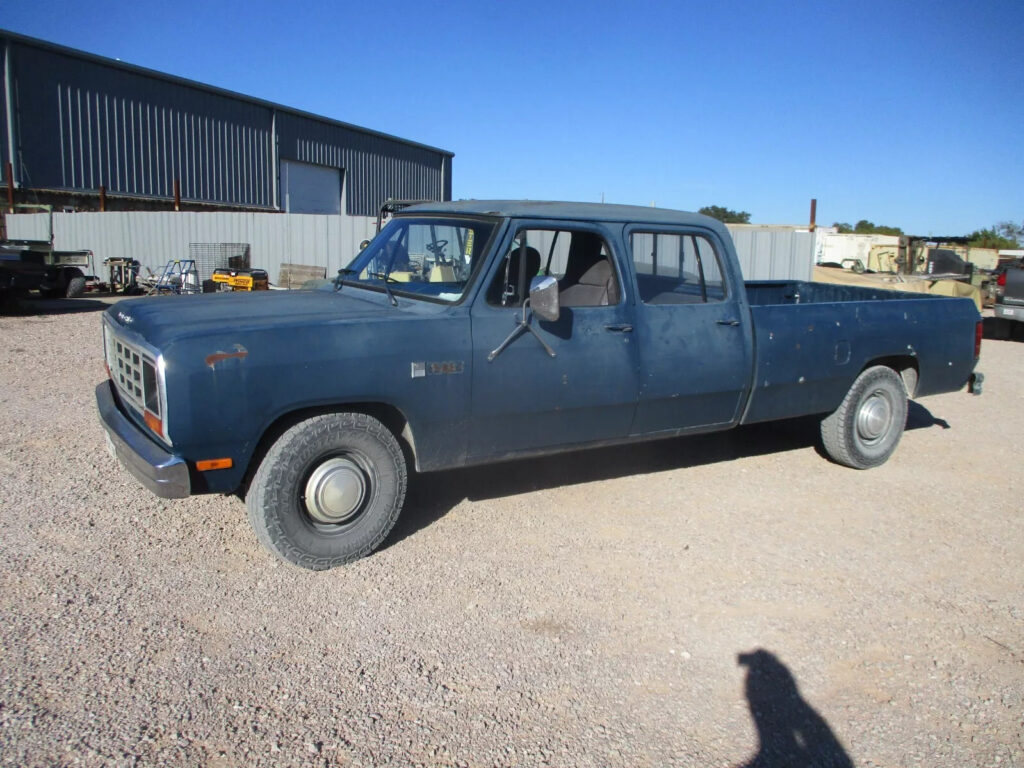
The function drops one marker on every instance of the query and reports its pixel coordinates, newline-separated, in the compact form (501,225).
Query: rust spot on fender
(240,352)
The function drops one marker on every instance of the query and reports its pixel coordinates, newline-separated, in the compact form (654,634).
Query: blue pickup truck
(480,331)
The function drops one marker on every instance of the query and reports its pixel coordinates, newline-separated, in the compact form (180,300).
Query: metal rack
(178,276)
(210,256)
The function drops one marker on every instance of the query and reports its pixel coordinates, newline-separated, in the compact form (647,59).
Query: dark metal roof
(958,239)
(76,53)
(541,209)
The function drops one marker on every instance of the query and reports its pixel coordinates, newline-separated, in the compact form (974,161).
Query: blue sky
(905,113)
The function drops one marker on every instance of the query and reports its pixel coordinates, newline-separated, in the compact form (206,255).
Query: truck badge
(446,368)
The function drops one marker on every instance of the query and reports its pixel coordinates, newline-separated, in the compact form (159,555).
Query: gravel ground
(719,601)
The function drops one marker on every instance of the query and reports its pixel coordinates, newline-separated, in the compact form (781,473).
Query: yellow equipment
(241,279)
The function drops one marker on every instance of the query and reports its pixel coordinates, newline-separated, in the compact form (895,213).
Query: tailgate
(1013,291)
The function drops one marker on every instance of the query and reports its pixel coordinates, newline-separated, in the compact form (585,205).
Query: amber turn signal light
(208,464)
(154,423)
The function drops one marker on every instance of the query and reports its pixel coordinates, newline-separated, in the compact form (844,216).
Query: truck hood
(163,320)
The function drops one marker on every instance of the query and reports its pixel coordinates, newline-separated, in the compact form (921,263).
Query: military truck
(35,264)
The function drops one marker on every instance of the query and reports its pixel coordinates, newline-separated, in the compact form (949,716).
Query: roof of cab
(542,209)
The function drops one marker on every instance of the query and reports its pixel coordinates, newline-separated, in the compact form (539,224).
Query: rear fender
(905,365)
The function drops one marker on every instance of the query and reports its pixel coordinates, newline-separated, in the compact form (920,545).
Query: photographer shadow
(791,734)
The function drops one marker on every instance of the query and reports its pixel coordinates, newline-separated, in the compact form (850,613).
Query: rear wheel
(328,491)
(865,429)
(74,282)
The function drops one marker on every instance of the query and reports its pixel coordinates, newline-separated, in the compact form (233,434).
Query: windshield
(430,258)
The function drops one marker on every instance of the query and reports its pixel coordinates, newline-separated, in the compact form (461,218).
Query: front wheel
(328,491)
(865,429)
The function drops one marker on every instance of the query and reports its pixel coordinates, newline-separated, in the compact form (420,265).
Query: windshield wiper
(386,278)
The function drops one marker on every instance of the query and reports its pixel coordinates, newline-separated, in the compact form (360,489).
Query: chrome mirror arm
(522,326)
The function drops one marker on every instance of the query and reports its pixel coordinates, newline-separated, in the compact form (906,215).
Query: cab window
(431,258)
(674,268)
(580,261)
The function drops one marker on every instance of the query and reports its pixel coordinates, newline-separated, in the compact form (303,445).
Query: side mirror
(544,297)
(544,302)
(363,244)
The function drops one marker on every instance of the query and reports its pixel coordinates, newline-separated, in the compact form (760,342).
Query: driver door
(523,399)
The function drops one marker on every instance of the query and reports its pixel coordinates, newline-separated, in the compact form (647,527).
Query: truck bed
(769,292)
(811,340)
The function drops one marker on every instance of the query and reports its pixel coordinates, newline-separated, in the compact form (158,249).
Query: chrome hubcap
(335,491)
(874,418)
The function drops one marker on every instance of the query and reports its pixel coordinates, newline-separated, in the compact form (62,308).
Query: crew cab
(481,331)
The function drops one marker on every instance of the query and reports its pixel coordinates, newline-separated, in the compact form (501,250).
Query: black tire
(74,280)
(328,491)
(866,428)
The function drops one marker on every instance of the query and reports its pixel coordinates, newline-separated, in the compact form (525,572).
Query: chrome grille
(134,375)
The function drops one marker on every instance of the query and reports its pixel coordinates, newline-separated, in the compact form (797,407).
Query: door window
(580,261)
(673,268)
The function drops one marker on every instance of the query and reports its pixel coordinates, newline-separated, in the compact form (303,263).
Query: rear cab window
(677,267)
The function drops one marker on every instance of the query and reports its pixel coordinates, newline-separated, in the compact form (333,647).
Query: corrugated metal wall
(82,122)
(375,168)
(156,238)
(81,125)
(773,252)
(765,253)
(4,155)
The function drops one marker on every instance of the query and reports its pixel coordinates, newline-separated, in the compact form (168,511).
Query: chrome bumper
(160,472)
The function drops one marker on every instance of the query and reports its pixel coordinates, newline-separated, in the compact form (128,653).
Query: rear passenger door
(694,333)
(525,400)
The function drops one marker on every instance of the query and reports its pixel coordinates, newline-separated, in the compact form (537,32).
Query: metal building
(84,126)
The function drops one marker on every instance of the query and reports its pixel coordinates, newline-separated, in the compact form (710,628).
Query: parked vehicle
(34,264)
(478,331)
(1009,303)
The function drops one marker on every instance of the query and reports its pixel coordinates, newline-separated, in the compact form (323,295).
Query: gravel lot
(585,610)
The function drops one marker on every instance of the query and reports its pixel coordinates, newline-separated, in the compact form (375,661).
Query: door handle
(624,328)
(732,322)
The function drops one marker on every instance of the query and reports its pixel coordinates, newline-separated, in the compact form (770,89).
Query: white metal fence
(156,238)
(773,252)
(765,253)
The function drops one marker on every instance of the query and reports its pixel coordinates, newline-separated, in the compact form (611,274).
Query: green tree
(726,215)
(1011,231)
(992,237)
(865,227)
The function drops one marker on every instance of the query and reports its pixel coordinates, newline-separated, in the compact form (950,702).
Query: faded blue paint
(769,351)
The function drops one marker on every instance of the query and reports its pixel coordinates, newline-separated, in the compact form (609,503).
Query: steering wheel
(437,246)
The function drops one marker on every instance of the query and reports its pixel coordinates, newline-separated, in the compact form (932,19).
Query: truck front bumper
(160,472)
